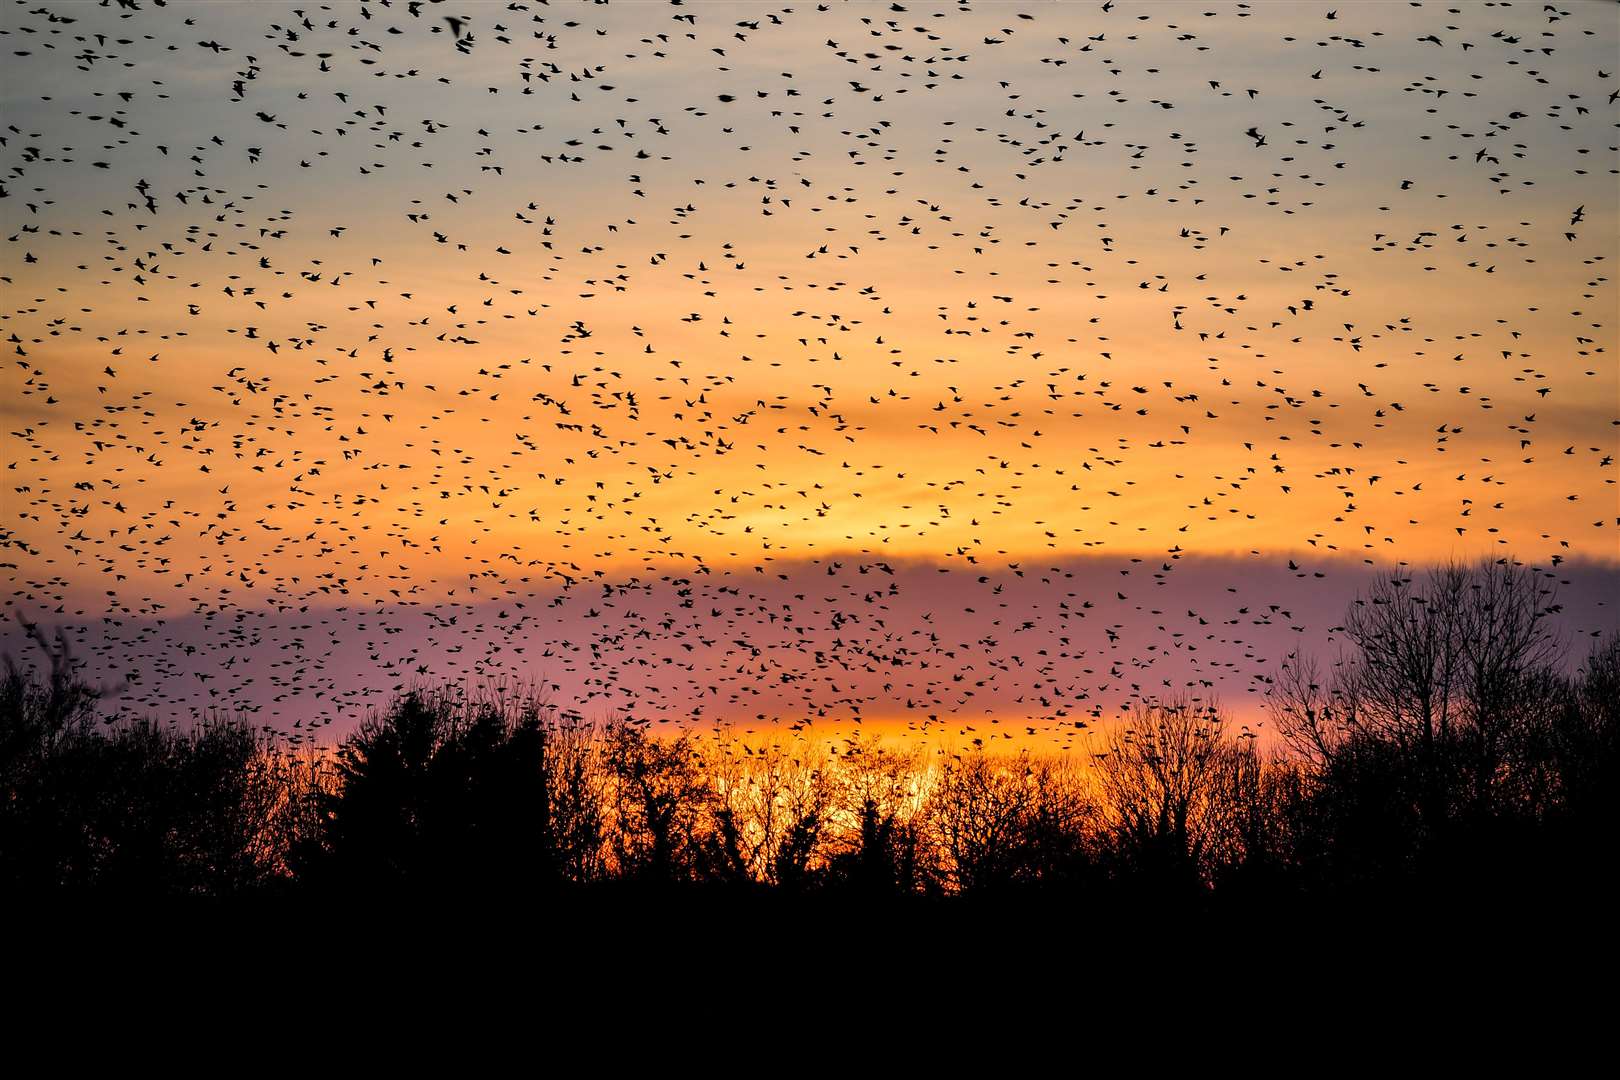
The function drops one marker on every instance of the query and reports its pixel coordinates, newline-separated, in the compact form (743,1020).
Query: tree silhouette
(1432,749)
(1008,821)
(133,807)
(657,799)
(1445,752)
(1172,784)
(879,850)
(444,791)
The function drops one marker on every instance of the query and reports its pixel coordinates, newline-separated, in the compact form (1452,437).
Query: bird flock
(978,368)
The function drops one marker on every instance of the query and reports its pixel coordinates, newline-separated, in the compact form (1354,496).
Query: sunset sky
(923,364)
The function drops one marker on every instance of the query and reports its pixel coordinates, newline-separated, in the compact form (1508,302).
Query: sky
(933,365)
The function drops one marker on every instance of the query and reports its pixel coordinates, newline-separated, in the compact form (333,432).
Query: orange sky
(950,285)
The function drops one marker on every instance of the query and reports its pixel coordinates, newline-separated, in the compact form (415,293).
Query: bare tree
(772,805)
(1005,820)
(1447,670)
(577,779)
(877,817)
(657,801)
(978,807)
(1172,779)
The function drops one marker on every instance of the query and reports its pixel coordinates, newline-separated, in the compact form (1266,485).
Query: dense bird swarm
(976,367)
